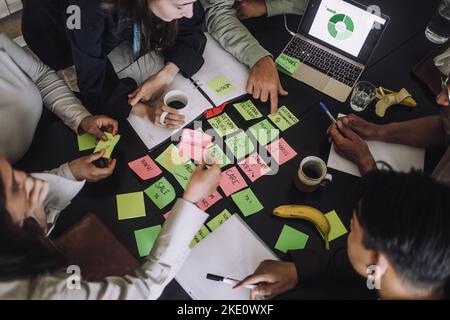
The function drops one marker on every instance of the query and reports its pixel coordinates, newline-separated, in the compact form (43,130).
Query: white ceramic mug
(311,174)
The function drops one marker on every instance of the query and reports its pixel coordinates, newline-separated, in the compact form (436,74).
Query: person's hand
(271,278)
(350,146)
(96,125)
(203,182)
(155,86)
(442,98)
(365,129)
(264,83)
(247,9)
(36,191)
(174,119)
(84,169)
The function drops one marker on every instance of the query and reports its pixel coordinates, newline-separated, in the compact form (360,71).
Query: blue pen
(325,109)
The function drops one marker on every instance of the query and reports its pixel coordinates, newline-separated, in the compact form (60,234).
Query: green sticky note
(130,205)
(221,86)
(183,173)
(264,132)
(223,125)
(247,202)
(291,239)
(219,220)
(337,227)
(248,110)
(288,63)
(161,193)
(201,234)
(284,119)
(86,141)
(217,153)
(240,145)
(109,144)
(145,239)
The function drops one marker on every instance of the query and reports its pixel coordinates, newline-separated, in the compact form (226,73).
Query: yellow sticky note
(109,145)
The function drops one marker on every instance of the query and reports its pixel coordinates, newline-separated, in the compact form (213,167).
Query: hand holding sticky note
(108,145)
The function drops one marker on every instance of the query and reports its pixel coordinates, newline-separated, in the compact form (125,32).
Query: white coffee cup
(176,99)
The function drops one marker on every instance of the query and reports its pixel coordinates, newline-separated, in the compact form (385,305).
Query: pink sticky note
(194,152)
(254,167)
(145,168)
(194,137)
(232,181)
(209,201)
(167,215)
(281,151)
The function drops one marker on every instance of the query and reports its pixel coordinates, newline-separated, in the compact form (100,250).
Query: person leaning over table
(400,230)
(222,20)
(26,84)
(349,132)
(171,27)
(31,267)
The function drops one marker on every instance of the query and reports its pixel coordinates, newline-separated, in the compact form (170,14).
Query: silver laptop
(334,43)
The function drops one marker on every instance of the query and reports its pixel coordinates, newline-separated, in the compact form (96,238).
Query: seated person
(223,24)
(398,244)
(26,84)
(348,134)
(173,27)
(31,268)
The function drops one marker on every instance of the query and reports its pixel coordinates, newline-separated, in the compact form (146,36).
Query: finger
(265,94)
(176,117)
(35,192)
(281,90)
(346,131)
(336,136)
(250,87)
(256,92)
(252,279)
(98,133)
(172,123)
(95,156)
(44,192)
(137,98)
(273,102)
(133,94)
(329,128)
(266,290)
(170,110)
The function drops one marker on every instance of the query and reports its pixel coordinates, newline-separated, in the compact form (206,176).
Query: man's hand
(350,146)
(202,183)
(96,125)
(174,119)
(247,9)
(84,169)
(365,129)
(264,83)
(271,278)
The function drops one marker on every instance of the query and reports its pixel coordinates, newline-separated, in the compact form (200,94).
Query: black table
(403,46)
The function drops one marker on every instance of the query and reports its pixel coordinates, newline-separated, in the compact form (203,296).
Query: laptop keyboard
(324,61)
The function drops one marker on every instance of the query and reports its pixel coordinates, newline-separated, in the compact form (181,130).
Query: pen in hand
(226,280)
(325,109)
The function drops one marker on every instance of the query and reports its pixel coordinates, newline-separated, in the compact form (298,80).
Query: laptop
(334,43)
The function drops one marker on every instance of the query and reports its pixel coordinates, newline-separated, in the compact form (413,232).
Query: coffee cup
(312,174)
(176,99)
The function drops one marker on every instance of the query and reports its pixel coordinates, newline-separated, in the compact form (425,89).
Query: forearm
(422,133)
(277,7)
(234,37)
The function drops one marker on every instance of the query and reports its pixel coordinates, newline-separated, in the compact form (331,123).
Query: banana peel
(388,98)
(309,214)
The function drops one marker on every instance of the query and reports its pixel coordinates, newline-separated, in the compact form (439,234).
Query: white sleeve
(160,267)
(57,97)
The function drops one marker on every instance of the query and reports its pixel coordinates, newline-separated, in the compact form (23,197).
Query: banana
(309,214)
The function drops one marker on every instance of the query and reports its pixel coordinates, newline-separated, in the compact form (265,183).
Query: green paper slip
(291,239)
(337,227)
(288,63)
(284,119)
(161,193)
(217,153)
(130,205)
(183,173)
(248,110)
(219,220)
(240,145)
(264,132)
(223,125)
(145,239)
(170,158)
(221,86)
(247,202)
(86,142)
(201,234)
(109,144)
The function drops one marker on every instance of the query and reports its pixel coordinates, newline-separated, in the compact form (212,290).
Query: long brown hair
(157,34)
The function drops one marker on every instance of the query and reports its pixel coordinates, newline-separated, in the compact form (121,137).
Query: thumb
(346,131)
(137,97)
(99,134)
(95,156)
(281,90)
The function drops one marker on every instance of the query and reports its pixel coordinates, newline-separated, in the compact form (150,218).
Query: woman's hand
(271,278)
(203,182)
(96,125)
(173,119)
(84,169)
(155,86)
(247,9)
(37,191)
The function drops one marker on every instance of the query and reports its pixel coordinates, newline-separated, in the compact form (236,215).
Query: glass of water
(438,31)
(363,94)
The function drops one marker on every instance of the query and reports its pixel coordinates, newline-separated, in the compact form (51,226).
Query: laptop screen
(345,26)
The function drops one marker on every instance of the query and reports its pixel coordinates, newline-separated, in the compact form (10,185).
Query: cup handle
(326,180)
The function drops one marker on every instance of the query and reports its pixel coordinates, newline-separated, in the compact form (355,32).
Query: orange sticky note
(209,201)
(232,181)
(254,167)
(145,168)
(281,151)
